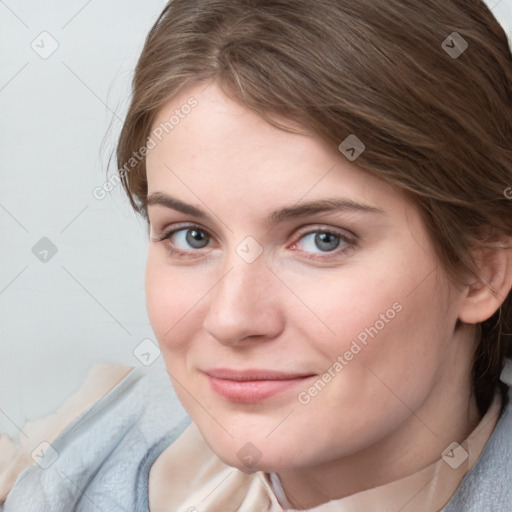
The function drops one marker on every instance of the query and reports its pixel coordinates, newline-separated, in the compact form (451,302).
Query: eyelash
(349,242)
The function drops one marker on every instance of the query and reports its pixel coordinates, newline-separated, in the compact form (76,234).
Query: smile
(252,385)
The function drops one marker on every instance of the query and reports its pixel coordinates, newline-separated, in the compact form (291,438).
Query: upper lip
(253,374)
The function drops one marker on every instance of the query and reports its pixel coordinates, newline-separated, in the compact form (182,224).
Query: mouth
(254,385)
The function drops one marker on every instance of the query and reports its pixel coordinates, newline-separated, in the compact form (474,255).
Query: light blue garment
(105,455)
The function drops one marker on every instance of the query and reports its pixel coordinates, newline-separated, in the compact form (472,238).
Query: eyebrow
(281,215)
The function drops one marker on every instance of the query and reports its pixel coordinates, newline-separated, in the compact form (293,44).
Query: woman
(326,187)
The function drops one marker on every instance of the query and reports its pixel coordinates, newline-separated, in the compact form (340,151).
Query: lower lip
(252,391)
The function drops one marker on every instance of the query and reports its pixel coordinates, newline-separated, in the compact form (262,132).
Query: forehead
(218,146)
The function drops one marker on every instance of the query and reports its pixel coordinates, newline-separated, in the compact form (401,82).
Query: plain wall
(60,115)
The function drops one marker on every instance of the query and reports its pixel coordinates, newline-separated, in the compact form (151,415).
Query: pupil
(326,241)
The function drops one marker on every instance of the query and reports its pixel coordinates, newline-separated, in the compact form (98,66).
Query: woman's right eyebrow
(283,214)
(161,199)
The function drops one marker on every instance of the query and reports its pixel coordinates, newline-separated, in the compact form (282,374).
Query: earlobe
(487,293)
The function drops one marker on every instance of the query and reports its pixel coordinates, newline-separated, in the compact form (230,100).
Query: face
(294,296)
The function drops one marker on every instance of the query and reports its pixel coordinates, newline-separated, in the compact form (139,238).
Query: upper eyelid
(324,227)
(178,227)
(346,215)
(305,228)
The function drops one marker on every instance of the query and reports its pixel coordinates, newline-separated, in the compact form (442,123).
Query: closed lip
(253,374)
(253,384)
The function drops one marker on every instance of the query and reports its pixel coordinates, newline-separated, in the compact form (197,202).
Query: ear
(486,293)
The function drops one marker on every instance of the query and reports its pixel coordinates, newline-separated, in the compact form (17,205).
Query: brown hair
(435,124)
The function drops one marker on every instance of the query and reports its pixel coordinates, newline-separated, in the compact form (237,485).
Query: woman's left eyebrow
(283,214)
(321,206)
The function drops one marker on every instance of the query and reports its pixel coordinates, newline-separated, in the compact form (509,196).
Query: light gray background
(86,304)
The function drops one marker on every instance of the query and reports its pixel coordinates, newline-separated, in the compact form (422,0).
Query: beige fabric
(189,477)
(15,456)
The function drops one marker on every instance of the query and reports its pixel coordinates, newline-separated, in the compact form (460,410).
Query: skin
(400,401)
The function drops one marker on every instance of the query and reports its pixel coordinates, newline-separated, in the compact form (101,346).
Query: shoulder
(488,486)
(94,460)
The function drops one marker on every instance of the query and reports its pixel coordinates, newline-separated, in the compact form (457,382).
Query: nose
(245,304)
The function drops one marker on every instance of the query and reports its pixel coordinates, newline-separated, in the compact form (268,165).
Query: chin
(249,467)
(251,457)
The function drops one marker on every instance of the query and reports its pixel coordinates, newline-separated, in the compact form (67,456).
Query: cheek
(166,297)
(174,300)
(385,317)
(343,306)
(371,360)
(157,300)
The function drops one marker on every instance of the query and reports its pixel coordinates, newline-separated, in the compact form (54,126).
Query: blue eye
(193,237)
(324,244)
(187,242)
(325,241)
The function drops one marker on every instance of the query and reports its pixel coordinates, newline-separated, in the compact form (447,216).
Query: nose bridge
(244,282)
(241,304)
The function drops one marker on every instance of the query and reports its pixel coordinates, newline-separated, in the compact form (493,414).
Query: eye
(324,241)
(184,241)
(194,237)
(320,243)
